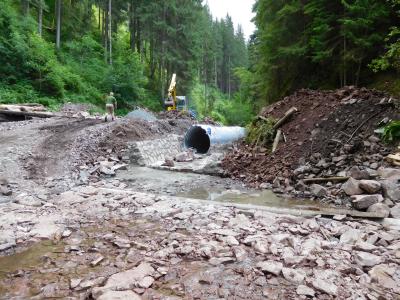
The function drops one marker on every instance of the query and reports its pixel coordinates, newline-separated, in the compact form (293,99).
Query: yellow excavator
(171,103)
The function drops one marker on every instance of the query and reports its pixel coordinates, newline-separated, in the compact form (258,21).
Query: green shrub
(261,132)
(391,132)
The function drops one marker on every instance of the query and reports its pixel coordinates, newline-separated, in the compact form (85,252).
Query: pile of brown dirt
(328,124)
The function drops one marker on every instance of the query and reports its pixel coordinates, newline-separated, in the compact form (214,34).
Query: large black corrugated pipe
(201,137)
(198,139)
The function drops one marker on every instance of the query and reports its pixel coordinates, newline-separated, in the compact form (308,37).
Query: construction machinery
(173,101)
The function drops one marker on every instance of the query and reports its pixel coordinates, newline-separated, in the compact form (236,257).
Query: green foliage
(261,132)
(24,93)
(387,81)
(318,44)
(391,132)
(391,59)
(237,111)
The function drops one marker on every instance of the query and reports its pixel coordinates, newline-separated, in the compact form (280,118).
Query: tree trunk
(106,33)
(138,35)
(25,7)
(216,72)
(132,34)
(344,62)
(40,17)
(229,77)
(99,16)
(358,72)
(110,29)
(58,34)
(152,62)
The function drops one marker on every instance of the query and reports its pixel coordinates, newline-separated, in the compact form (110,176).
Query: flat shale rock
(362,202)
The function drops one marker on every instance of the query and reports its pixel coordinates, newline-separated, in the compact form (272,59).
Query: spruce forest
(58,51)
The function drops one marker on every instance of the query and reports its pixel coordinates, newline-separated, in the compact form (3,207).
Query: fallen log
(325,179)
(26,114)
(287,115)
(276,141)
(21,107)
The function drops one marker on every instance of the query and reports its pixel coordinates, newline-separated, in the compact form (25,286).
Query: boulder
(395,211)
(273,267)
(106,171)
(350,236)
(261,246)
(370,186)
(365,259)
(302,170)
(391,190)
(294,275)
(362,202)
(5,191)
(352,187)
(364,246)
(325,286)
(303,290)
(318,190)
(380,208)
(356,173)
(126,280)
(382,274)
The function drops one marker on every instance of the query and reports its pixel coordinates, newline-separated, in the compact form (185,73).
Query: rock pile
(331,133)
(330,129)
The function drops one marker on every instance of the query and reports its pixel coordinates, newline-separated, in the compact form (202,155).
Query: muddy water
(205,187)
(27,259)
(262,198)
(14,267)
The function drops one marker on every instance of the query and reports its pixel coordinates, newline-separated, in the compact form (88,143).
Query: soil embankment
(329,127)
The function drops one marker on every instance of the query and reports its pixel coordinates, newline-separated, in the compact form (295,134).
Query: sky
(239,10)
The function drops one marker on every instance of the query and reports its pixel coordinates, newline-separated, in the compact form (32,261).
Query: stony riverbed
(131,237)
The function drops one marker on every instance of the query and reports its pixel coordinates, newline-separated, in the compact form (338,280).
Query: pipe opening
(198,139)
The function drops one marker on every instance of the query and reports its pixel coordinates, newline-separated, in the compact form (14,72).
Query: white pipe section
(201,137)
(223,134)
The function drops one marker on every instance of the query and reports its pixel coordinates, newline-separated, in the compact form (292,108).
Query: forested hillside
(57,51)
(324,44)
(54,51)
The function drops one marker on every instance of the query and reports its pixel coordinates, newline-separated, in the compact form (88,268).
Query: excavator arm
(170,103)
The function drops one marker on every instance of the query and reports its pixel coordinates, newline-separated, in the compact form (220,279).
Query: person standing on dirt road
(111,106)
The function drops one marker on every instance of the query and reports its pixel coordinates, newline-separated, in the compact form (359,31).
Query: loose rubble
(240,253)
(331,136)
